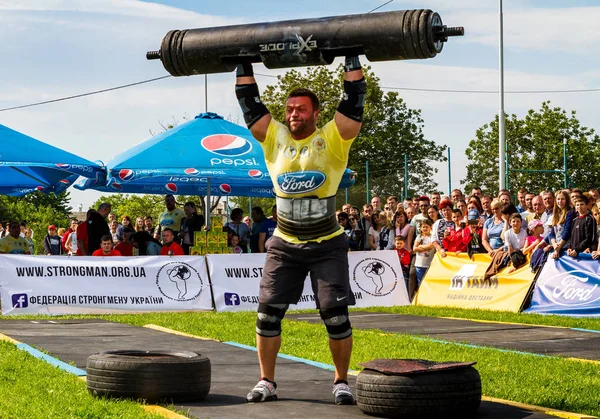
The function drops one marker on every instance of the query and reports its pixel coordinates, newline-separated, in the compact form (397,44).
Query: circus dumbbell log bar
(397,35)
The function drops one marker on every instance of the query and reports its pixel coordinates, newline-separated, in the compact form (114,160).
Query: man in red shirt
(170,248)
(82,235)
(106,247)
(124,246)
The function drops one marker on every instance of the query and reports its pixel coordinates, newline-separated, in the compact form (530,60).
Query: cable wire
(379,7)
(84,94)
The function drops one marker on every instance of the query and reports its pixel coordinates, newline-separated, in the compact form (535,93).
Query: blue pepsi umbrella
(28,165)
(205,156)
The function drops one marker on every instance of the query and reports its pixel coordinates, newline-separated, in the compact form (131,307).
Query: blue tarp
(568,286)
(28,165)
(182,159)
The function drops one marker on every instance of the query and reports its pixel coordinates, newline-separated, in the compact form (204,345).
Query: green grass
(31,388)
(550,382)
(497,316)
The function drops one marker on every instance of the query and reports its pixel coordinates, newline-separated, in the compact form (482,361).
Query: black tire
(171,376)
(446,393)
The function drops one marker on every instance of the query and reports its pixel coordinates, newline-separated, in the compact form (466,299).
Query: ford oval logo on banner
(300,182)
(226,145)
(568,286)
(572,289)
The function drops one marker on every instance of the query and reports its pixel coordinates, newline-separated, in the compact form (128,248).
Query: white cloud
(560,30)
(131,8)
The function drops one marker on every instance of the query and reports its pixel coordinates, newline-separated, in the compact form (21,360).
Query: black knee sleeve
(337,322)
(249,100)
(353,103)
(268,323)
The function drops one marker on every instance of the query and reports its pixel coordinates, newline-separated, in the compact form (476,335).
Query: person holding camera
(453,239)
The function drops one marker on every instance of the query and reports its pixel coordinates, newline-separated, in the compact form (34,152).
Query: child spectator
(106,247)
(424,250)
(515,238)
(473,233)
(453,240)
(583,231)
(52,242)
(404,256)
(536,228)
(235,243)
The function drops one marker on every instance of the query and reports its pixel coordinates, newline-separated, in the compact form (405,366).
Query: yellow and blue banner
(568,286)
(458,281)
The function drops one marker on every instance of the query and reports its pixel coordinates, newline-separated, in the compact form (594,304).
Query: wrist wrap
(352,105)
(249,100)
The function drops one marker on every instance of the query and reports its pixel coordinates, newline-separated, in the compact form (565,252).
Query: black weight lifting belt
(307,218)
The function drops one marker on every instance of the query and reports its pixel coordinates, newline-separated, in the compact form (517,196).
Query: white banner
(375,278)
(73,285)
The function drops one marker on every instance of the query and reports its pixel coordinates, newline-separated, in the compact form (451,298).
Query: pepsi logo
(39,188)
(126,174)
(65,181)
(191,171)
(225,189)
(171,187)
(226,145)
(116,186)
(63,166)
(255,174)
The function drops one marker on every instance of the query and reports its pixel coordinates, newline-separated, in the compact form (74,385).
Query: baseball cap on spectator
(423,198)
(533,224)
(51,227)
(473,215)
(446,203)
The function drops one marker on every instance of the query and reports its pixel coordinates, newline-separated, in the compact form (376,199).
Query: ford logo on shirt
(300,182)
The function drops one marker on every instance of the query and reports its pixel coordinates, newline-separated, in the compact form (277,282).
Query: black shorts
(288,264)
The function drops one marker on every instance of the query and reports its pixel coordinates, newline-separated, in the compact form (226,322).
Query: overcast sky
(56,48)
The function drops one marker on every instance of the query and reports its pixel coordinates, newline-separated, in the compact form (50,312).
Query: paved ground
(543,340)
(304,390)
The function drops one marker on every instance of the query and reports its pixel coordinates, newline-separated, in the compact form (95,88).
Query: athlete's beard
(304,129)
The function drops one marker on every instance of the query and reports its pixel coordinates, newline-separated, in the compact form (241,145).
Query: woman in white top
(378,221)
(71,243)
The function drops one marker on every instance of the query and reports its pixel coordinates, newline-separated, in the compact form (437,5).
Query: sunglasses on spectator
(423,205)
(352,219)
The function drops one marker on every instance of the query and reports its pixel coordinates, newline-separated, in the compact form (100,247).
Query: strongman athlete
(306,165)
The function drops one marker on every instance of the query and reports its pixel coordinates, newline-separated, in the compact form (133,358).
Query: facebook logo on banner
(19,300)
(231,299)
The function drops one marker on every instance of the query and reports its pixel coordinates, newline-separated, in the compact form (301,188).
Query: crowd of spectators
(533,227)
(103,233)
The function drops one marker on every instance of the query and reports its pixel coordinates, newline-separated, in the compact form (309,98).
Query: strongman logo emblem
(179,281)
(376,277)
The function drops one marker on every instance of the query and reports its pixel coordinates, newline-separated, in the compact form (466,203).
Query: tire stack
(436,394)
(171,376)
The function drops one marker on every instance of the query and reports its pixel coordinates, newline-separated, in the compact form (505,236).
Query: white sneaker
(263,391)
(342,394)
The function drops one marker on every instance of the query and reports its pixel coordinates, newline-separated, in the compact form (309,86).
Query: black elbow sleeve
(353,103)
(249,99)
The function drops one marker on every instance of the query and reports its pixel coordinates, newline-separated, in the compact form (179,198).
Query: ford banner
(569,287)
